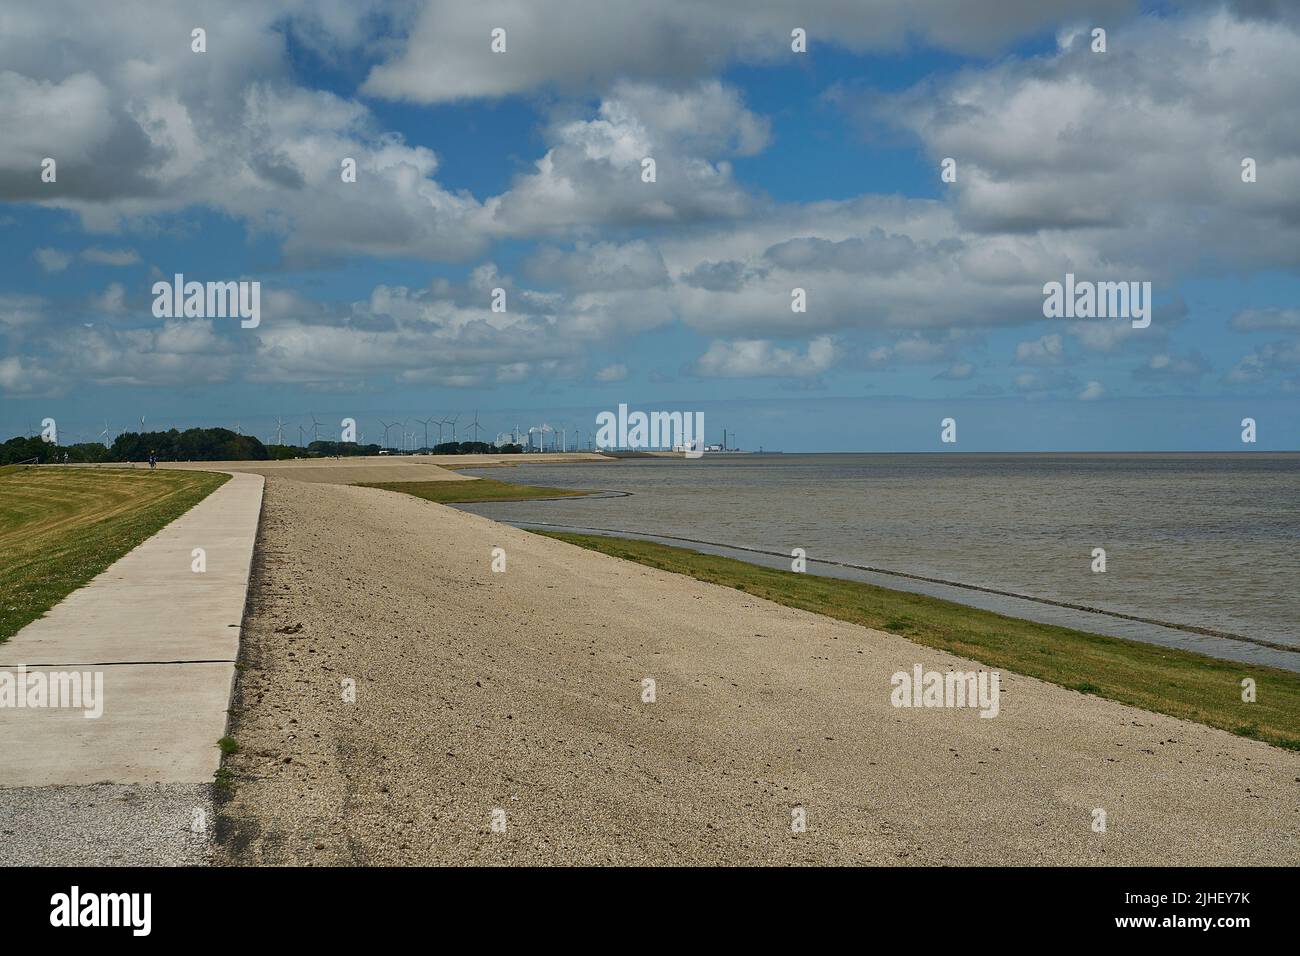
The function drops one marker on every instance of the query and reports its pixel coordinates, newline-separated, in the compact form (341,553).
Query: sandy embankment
(521,691)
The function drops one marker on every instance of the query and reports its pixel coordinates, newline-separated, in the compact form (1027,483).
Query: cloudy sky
(522,171)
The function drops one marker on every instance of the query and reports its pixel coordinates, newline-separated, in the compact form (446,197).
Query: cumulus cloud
(612,373)
(111,257)
(592,172)
(1048,350)
(20,311)
(1184,370)
(1137,151)
(52,260)
(1259,364)
(561,46)
(601,265)
(1044,383)
(759,358)
(145,127)
(1267,320)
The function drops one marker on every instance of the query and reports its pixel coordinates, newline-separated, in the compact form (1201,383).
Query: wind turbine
(452,423)
(387,426)
(300,429)
(475,427)
(315,428)
(279,430)
(106,434)
(425,423)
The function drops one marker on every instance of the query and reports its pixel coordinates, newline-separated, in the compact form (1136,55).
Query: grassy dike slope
(1167,681)
(60,527)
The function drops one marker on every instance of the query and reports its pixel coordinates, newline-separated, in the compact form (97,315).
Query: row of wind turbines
(105,436)
(407,442)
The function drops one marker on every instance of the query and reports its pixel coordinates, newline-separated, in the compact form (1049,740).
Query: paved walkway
(163,637)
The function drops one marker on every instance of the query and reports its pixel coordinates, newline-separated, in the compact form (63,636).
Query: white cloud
(1092,391)
(562,45)
(52,260)
(1170,367)
(591,173)
(1048,350)
(758,358)
(20,311)
(111,257)
(112,300)
(612,373)
(1270,319)
(601,265)
(1259,364)
(1138,152)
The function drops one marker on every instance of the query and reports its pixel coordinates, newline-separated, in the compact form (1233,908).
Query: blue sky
(521,171)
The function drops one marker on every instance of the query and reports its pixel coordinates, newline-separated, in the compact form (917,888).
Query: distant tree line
(37,449)
(193,444)
(476,448)
(209,444)
(321,449)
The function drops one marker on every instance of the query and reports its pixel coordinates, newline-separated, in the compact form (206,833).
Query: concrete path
(162,637)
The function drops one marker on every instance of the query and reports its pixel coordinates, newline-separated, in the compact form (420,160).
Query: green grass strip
(469,492)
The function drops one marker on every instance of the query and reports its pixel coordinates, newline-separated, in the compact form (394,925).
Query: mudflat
(483,696)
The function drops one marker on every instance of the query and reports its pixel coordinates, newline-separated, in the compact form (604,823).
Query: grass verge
(470,492)
(1174,682)
(59,527)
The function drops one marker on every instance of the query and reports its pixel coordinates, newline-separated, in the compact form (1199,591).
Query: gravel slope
(521,691)
(106,824)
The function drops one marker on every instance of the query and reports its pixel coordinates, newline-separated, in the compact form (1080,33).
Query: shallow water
(1207,540)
